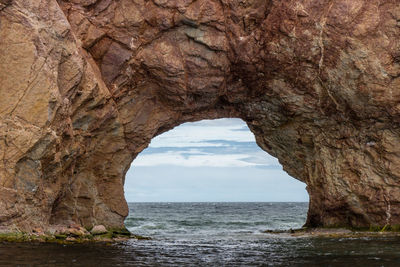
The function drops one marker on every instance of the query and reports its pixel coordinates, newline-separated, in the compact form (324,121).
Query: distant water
(211,221)
(212,234)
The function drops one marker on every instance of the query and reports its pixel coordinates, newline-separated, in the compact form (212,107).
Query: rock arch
(86,84)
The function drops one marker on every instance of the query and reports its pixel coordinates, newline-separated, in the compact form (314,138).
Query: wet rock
(98,230)
(38,230)
(70,239)
(74,232)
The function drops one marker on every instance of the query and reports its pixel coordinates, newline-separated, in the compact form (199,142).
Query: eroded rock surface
(86,84)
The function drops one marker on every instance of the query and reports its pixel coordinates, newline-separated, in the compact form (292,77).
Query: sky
(209,161)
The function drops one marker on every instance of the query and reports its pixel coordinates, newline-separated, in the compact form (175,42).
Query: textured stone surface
(86,84)
(98,230)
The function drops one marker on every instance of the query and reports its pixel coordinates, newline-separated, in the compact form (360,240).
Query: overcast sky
(210,160)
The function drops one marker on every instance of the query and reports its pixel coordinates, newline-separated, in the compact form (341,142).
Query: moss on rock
(112,235)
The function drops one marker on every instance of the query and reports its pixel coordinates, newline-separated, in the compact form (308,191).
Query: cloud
(218,122)
(199,159)
(176,183)
(199,133)
(209,143)
(212,160)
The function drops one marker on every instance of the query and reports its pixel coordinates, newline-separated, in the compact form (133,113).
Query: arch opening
(209,161)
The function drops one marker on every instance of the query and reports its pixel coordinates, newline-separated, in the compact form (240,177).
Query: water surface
(212,234)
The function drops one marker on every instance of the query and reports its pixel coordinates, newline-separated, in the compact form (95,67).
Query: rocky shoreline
(72,234)
(338,232)
(99,234)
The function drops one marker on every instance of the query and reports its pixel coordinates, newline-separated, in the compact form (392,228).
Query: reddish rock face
(86,84)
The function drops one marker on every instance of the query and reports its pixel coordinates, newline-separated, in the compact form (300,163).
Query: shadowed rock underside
(86,84)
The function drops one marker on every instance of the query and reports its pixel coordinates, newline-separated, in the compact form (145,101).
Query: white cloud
(195,159)
(176,183)
(198,133)
(219,122)
(206,135)
(180,142)
(199,162)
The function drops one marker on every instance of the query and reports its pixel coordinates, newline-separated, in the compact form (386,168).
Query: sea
(212,234)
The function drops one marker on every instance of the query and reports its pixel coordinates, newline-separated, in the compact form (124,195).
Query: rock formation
(86,84)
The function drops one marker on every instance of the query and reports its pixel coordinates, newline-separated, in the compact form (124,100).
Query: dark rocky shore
(339,232)
(80,235)
(72,234)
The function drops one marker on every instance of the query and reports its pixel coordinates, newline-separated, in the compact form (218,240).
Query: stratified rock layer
(86,84)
